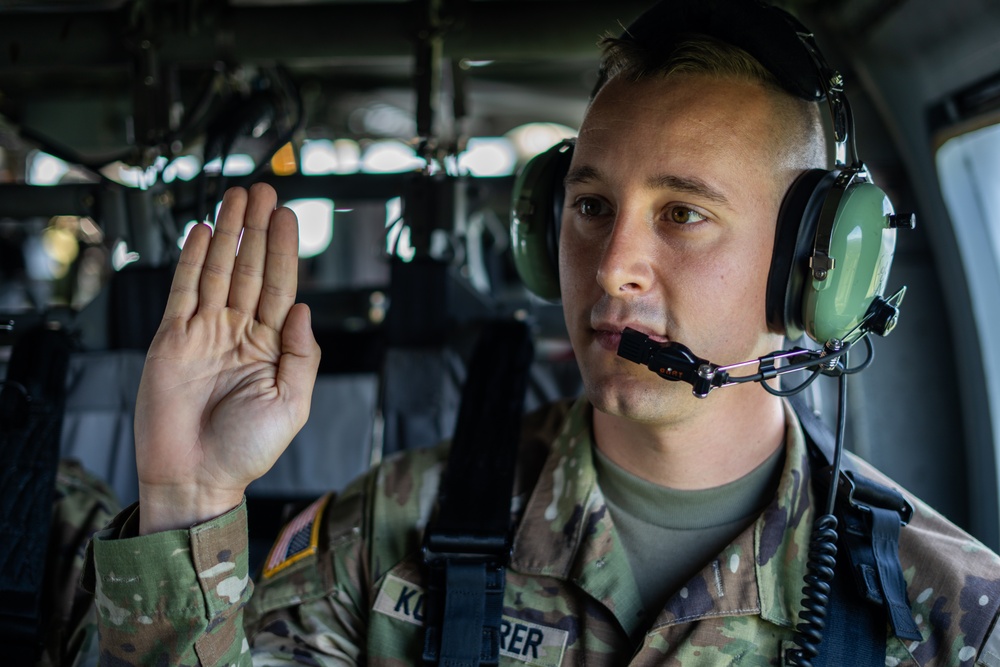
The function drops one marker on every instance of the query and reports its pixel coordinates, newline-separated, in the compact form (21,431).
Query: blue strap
(464,607)
(885,548)
(467,545)
(871,515)
(855,633)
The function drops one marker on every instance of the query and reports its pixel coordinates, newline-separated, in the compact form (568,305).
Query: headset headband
(771,35)
(776,39)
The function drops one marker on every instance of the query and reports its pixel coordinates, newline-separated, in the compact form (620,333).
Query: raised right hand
(229,375)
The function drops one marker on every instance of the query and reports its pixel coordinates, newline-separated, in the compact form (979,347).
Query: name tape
(521,640)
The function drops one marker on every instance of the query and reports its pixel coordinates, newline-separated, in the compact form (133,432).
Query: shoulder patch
(298,539)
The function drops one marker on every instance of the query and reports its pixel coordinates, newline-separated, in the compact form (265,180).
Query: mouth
(609,336)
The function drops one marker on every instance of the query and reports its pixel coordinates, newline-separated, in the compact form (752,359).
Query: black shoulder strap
(467,546)
(870,516)
(31,410)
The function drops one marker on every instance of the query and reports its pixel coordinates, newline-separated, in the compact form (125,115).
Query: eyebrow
(694,186)
(579,175)
(689,185)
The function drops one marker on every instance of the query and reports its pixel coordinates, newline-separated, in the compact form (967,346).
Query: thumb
(299,361)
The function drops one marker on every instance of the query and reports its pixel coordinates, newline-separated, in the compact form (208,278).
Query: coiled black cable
(822,558)
(816,590)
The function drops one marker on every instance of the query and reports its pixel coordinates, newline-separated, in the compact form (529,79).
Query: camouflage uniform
(82,505)
(344,582)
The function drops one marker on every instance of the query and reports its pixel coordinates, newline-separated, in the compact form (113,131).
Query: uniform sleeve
(177,598)
(172,598)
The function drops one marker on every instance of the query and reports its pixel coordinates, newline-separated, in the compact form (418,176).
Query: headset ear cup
(536,214)
(857,233)
(795,232)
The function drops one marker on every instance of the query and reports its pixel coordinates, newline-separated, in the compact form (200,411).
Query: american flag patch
(298,539)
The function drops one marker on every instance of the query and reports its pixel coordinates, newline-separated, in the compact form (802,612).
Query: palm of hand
(219,400)
(228,378)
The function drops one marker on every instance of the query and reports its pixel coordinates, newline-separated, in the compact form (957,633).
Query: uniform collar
(566,532)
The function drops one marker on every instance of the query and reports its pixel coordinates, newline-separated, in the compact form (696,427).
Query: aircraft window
(488,156)
(322,156)
(41,168)
(397,235)
(532,138)
(969,168)
(134,177)
(237,164)
(315,224)
(352,233)
(388,157)
(45,169)
(184,167)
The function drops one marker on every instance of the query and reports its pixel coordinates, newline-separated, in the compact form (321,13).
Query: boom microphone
(671,361)
(677,363)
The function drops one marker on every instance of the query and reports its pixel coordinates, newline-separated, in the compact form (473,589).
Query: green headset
(836,230)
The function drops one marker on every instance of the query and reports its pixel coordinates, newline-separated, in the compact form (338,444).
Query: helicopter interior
(395,130)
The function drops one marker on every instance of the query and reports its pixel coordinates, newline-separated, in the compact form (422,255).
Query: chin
(639,400)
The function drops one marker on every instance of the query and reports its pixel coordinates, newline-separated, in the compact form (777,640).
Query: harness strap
(467,545)
(855,629)
(871,516)
(31,409)
(885,550)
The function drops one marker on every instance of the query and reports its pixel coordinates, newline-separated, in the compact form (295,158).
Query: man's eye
(683,215)
(590,207)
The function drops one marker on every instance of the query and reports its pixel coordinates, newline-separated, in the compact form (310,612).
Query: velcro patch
(521,640)
(298,539)
(990,655)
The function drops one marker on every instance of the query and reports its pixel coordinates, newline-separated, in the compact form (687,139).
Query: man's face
(668,228)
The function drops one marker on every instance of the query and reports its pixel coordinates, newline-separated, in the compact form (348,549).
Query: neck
(722,439)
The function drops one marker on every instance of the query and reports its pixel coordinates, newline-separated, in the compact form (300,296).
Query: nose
(626,266)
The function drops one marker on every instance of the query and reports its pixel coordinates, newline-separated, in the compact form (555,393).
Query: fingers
(300,355)
(248,274)
(280,270)
(216,275)
(182,303)
(249,263)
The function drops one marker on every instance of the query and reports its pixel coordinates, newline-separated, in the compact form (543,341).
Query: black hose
(822,558)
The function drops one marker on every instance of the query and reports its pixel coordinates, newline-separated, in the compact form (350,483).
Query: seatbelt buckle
(862,494)
(873,515)
(465,590)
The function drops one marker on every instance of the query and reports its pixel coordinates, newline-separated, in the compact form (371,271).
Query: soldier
(83,505)
(649,525)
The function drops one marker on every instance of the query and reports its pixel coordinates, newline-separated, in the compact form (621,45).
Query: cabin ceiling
(97,78)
